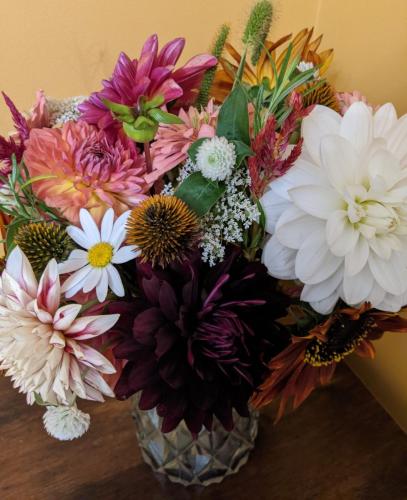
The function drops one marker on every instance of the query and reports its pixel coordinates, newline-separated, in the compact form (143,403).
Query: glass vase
(200,460)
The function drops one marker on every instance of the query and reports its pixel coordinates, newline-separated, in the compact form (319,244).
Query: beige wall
(67,46)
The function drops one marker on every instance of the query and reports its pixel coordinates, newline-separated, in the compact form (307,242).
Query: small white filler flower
(216,158)
(93,268)
(65,422)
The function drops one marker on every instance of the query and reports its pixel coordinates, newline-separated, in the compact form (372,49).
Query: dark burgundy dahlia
(200,340)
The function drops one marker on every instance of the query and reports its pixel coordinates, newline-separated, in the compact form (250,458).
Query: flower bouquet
(205,239)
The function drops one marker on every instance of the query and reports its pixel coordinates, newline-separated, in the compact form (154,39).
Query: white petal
(324,289)
(384,119)
(19,268)
(92,279)
(340,161)
(356,260)
(391,275)
(320,122)
(384,165)
(294,226)
(49,290)
(87,327)
(376,295)
(79,237)
(89,226)
(356,289)
(101,289)
(315,200)
(346,240)
(397,138)
(115,281)
(76,260)
(119,230)
(273,206)
(76,278)
(357,125)
(107,225)
(65,315)
(315,262)
(124,254)
(391,303)
(326,306)
(279,260)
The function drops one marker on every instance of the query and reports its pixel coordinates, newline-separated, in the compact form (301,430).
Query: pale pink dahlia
(151,75)
(86,169)
(346,99)
(173,141)
(44,347)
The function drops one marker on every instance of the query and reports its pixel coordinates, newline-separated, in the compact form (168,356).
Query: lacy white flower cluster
(64,110)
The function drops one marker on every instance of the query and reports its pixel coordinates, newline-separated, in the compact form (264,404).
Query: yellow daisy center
(100,254)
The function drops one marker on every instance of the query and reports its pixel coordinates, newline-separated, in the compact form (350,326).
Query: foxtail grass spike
(216,51)
(257,28)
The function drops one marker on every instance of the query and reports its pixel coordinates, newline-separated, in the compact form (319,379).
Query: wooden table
(339,445)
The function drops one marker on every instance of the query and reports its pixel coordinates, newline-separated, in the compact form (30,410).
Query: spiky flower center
(43,241)
(320,93)
(100,255)
(163,228)
(343,337)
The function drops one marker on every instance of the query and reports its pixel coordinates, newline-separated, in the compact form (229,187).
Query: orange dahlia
(310,361)
(82,167)
(303,46)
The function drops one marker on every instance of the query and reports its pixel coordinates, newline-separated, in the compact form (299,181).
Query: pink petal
(49,290)
(93,358)
(65,315)
(170,53)
(19,268)
(88,327)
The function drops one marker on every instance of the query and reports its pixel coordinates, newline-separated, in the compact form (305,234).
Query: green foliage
(233,120)
(209,76)
(200,193)
(142,126)
(257,28)
(20,203)
(193,149)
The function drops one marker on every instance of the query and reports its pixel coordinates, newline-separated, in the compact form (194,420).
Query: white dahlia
(65,422)
(338,218)
(43,345)
(216,158)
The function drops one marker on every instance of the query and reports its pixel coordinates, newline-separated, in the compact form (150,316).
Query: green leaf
(199,193)
(121,111)
(11,232)
(242,151)
(142,130)
(233,121)
(155,102)
(193,149)
(161,116)
(262,219)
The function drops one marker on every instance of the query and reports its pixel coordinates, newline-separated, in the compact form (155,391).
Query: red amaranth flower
(201,339)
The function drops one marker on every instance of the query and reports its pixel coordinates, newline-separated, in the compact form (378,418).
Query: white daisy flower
(65,422)
(93,267)
(216,158)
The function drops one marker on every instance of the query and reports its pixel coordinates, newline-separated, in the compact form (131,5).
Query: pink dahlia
(86,169)
(346,99)
(151,75)
(44,346)
(173,141)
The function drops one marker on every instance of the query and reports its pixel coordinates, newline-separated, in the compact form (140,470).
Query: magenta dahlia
(151,75)
(200,339)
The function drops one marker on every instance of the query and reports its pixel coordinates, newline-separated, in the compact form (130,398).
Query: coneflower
(320,93)
(43,241)
(163,228)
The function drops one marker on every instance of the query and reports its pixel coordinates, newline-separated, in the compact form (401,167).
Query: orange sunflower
(310,361)
(302,45)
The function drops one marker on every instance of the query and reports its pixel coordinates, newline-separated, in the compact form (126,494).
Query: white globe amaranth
(338,218)
(65,422)
(216,158)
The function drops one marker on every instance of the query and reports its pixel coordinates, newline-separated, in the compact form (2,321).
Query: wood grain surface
(339,445)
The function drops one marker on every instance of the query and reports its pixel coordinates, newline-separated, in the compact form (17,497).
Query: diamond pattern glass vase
(206,459)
